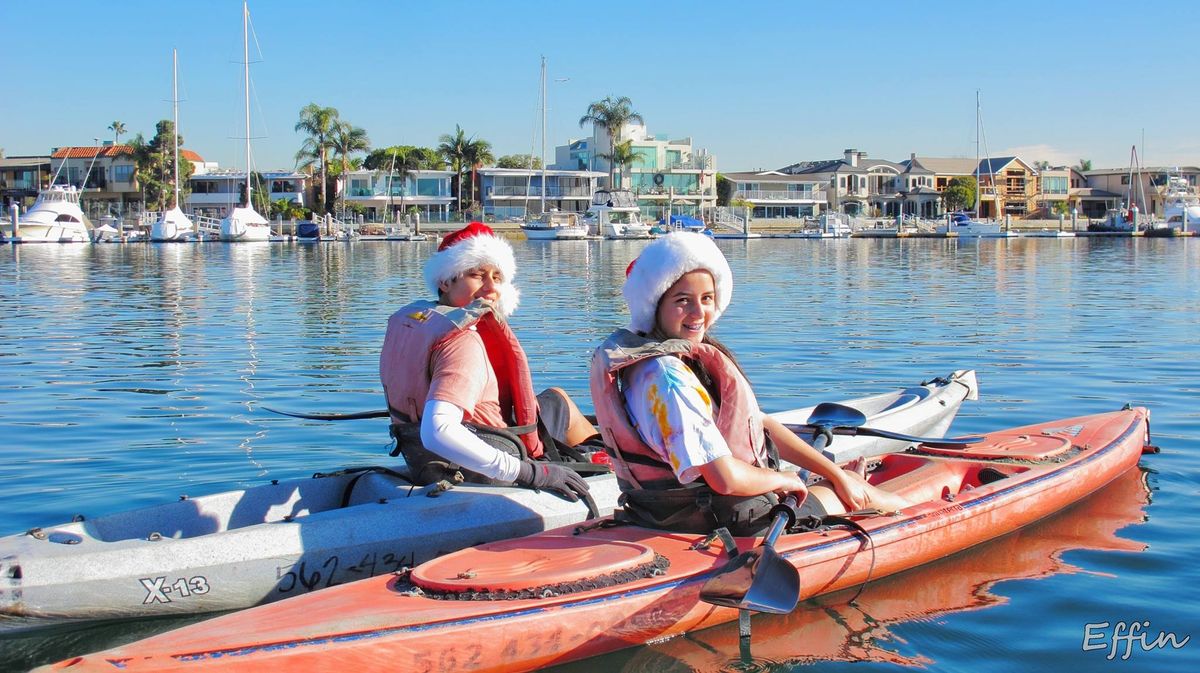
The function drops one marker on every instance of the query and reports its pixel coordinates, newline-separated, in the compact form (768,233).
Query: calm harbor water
(136,373)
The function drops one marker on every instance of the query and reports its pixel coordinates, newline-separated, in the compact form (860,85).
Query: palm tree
(319,123)
(404,162)
(348,139)
(454,149)
(622,156)
(612,114)
(478,154)
(1084,165)
(118,129)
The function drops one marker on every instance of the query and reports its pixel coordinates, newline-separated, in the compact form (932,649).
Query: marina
(141,372)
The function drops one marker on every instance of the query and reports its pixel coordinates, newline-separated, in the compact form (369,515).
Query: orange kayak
(573,593)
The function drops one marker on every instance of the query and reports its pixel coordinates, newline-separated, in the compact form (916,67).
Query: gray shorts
(554,413)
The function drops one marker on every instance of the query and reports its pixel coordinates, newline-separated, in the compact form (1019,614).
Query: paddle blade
(758,580)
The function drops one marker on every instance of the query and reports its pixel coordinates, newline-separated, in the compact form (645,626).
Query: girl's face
(482,282)
(688,307)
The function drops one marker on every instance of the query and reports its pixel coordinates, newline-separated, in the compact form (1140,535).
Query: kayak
(242,548)
(576,592)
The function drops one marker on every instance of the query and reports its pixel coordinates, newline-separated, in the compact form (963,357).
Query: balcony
(698,163)
(755,195)
(534,191)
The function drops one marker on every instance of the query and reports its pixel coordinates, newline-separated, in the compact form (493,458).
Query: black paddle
(759,579)
(353,416)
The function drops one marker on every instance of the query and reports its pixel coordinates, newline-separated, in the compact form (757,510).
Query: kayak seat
(927,480)
(988,475)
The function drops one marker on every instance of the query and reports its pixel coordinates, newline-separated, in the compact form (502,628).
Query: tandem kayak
(576,592)
(241,548)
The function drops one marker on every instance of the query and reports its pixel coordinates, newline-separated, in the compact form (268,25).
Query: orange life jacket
(417,330)
(639,467)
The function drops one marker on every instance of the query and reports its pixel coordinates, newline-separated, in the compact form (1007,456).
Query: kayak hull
(390,623)
(242,548)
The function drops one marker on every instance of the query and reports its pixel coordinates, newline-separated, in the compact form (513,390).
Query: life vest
(651,495)
(638,466)
(417,330)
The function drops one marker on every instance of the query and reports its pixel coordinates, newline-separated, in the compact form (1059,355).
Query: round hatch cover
(527,563)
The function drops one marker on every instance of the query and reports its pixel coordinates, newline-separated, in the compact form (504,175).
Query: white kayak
(241,548)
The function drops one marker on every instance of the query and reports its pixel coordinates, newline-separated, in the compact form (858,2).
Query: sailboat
(551,225)
(244,223)
(174,224)
(962,224)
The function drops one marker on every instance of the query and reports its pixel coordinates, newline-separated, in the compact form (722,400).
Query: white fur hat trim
(665,261)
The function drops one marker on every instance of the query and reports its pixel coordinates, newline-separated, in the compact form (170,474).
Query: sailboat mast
(543,135)
(978,182)
(246,88)
(175,114)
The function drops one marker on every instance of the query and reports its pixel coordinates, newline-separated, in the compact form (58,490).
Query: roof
(944,165)
(22,162)
(768,176)
(997,164)
(825,166)
(112,151)
(537,171)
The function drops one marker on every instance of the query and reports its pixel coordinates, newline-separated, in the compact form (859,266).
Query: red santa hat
(471,247)
(665,261)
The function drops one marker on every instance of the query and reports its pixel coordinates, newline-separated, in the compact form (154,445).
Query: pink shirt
(463,377)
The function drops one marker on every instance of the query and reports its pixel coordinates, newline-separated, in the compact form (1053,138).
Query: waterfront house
(20,179)
(109,169)
(215,193)
(857,184)
(516,193)
(926,178)
(426,192)
(775,195)
(665,174)
(1144,187)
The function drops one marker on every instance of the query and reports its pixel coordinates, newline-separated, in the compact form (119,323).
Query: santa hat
(471,247)
(665,261)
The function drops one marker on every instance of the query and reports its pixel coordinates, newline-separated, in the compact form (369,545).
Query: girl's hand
(851,490)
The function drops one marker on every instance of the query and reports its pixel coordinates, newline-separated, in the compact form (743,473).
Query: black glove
(543,476)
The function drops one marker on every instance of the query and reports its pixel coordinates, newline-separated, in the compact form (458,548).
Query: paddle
(759,579)
(352,416)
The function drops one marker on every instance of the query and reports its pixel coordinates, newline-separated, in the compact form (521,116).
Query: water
(135,373)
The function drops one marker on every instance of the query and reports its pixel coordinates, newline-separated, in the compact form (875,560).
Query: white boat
(241,548)
(244,223)
(55,218)
(174,224)
(1181,205)
(965,226)
(615,214)
(555,226)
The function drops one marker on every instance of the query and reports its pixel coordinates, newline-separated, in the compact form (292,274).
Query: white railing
(206,224)
(728,218)
(780,195)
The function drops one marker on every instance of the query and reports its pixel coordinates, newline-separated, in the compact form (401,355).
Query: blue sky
(760,85)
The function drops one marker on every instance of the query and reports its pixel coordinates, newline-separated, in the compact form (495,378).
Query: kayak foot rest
(538,567)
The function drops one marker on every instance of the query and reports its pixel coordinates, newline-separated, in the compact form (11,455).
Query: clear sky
(760,84)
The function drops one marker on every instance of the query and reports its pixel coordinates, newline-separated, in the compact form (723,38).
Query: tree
(319,123)
(424,158)
(154,166)
(453,149)
(519,161)
(1084,165)
(348,139)
(118,129)
(960,192)
(262,198)
(622,157)
(478,153)
(725,190)
(1041,165)
(611,114)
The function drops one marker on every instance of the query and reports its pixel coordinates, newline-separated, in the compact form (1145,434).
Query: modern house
(516,193)
(20,179)
(665,173)
(775,195)
(215,193)
(426,191)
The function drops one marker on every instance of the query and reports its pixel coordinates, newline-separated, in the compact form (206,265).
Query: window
(843,182)
(429,187)
(123,173)
(1124,179)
